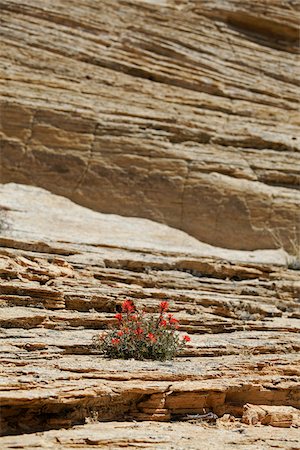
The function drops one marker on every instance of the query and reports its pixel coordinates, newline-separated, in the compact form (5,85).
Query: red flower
(115,341)
(128,306)
(120,333)
(134,317)
(151,337)
(164,306)
(139,331)
(186,338)
(172,319)
(163,323)
(119,317)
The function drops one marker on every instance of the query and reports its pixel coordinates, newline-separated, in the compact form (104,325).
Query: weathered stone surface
(153,435)
(185,112)
(60,285)
(277,416)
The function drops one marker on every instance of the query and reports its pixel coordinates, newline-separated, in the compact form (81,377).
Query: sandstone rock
(80,226)
(60,285)
(277,416)
(184,112)
(154,435)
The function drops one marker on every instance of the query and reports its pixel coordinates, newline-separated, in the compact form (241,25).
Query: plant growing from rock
(3,222)
(142,337)
(293,257)
(293,260)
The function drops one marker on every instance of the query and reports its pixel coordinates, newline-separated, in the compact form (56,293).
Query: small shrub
(93,417)
(293,257)
(3,223)
(140,337)
(293,260)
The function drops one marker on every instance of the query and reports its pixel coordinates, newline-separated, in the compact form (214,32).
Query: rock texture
(116,435)
(61,284)
(181,111)
(276,416)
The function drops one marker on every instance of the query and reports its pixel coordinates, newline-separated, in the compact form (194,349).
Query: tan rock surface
(147,435)
(57,292)
(184,112)
(277,416)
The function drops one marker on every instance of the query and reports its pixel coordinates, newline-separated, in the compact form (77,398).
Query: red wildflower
(172,319)
(139,331)
(128,306)
(164,306)
(151,337)
(141,336)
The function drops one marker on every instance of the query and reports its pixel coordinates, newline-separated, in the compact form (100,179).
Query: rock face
(60,288)
(184,112)
(151,435)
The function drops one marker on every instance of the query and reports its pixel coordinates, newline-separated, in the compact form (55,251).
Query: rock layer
(116,435)
(184,112)
(58,292)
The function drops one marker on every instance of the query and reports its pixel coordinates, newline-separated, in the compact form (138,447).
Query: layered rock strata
(184,112)
(61,285)
(153,435)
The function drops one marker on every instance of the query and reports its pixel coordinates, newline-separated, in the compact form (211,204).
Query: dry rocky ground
(64,272)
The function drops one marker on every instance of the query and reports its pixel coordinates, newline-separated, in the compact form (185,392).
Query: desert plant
(293,257)
(142,337)
(293,261)
(93,417)
(2,219)
(4,222)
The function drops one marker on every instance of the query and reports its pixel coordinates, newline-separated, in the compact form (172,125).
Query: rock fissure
(88,162)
